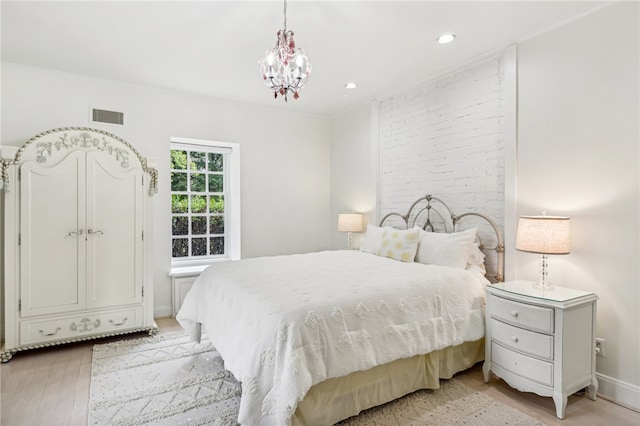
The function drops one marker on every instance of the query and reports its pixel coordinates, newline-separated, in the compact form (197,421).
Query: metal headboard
(432,214)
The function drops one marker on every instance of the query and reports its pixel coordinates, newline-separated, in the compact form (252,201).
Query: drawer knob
(514,314)
(515,339)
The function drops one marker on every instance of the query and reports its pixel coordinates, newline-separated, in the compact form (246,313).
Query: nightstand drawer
(528,316)
(522,365)
(537,344)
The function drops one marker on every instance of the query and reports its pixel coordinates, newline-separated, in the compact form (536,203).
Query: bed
(316,338)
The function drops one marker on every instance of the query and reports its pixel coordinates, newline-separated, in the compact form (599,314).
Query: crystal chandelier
(284,68)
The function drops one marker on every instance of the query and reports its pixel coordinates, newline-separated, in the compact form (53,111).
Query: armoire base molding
(5,356)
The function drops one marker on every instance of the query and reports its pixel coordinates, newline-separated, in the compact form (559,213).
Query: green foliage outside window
(215,162)
(179,203)
(197,204)
(178,160)
(216,204)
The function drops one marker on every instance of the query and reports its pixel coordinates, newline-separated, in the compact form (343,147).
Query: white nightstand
(541,342)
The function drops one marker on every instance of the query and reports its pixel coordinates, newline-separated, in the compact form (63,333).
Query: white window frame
(231,202)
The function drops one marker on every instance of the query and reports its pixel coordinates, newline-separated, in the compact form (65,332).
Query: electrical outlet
(599,346)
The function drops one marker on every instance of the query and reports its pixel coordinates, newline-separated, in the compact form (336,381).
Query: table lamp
(350,222)
(544,235)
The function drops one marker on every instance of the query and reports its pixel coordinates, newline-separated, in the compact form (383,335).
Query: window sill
(190,271)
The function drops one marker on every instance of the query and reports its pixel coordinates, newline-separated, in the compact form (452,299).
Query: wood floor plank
(80,409)
(51,386)
(580,410)
(65,400)
(12,391)
(52,390)
(30,396)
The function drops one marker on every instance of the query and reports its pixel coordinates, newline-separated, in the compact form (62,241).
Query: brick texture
(445,138)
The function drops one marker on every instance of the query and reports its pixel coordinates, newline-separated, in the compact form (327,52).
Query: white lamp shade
(543,234)
(350,222)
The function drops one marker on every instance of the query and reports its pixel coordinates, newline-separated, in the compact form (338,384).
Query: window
(205,201)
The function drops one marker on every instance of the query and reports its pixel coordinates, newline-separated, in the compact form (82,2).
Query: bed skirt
(340,398)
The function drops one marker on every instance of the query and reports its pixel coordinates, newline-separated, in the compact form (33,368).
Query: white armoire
(76,212)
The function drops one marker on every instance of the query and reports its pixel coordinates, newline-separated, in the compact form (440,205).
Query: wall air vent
(108,117)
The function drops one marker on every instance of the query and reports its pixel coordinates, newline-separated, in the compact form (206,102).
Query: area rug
(170,380)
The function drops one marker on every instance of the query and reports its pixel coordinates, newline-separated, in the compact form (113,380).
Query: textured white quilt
(285,323)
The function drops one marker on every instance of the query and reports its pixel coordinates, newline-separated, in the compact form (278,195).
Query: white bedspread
(285,323)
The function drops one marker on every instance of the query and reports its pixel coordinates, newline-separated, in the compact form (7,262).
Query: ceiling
(213,47)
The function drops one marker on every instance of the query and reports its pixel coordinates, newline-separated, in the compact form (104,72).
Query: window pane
(178,181)
(198,161)
(180,225)
(216,245)
(215,162)
(198,182)
(216,183)
(198,204)
(179,203)
(217,225)
(198,225)
(216,204)
(199,247)
(180,247)
(178,160)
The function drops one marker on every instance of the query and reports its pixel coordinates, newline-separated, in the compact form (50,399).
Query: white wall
(285,156)
(353,178)
(578,155)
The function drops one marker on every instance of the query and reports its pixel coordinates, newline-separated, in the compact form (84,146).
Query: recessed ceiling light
(350,85)
(446,38)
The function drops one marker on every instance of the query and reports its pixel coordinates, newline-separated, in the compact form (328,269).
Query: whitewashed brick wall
(445,138)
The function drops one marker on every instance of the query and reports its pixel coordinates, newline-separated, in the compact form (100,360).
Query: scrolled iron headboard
(432,214)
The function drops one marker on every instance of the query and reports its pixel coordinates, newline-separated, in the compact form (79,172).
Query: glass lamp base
(543,285)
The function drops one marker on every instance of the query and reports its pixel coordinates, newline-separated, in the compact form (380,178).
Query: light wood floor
(51,387)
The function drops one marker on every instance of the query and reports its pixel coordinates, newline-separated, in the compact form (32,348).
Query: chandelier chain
(285,16)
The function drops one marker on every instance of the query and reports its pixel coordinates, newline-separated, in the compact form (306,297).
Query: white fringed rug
(169,380)
(162,380)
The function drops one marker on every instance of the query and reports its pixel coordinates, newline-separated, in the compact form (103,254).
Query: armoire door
(52,240)
(114,232)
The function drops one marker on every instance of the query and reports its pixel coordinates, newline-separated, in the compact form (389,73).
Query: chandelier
(284,68)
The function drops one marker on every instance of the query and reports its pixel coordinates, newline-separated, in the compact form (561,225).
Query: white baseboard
(622,393)
(162,311)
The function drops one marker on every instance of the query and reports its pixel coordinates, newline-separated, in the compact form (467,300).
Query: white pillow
(476,259)
(444,249)
(399,244)
(371,240)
